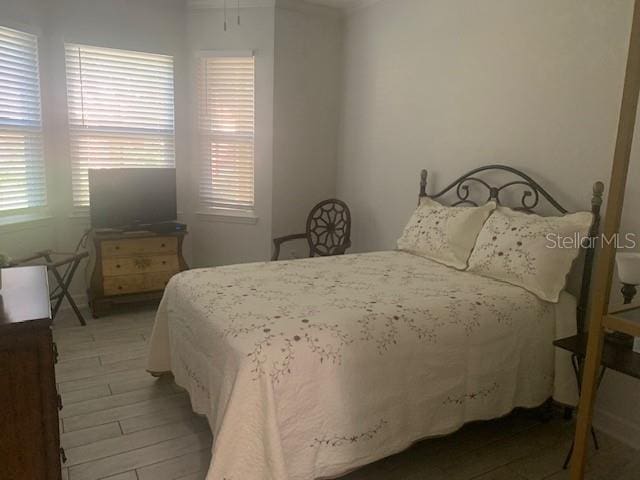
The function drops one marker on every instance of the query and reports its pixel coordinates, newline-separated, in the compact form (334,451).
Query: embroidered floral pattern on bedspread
(339,440)
(273,312)
(196,381)
(480,394)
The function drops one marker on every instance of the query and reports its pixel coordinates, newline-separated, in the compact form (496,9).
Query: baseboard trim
(617,427)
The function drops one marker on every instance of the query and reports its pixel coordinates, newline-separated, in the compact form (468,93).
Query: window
(22,173)
(120,112)
(226,130)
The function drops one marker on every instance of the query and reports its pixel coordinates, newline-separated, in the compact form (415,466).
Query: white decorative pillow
(533,252)
(444,234)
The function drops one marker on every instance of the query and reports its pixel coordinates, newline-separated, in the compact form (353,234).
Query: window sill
(86,216)
(79,216)
(13,223)
(247,217)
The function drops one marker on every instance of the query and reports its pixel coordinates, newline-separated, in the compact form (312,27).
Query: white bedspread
(310,368)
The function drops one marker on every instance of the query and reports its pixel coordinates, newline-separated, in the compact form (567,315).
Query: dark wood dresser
(29,403)
(132,267)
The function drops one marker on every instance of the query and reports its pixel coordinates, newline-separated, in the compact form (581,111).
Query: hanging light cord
(225,15)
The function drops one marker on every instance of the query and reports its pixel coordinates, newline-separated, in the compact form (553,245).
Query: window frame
(208,211)
(80,210)
(22,215)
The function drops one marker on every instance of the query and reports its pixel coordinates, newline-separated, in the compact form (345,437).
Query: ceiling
(343,4)
(338,4)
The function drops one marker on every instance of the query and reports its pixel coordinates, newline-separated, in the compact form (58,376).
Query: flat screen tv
(132,197)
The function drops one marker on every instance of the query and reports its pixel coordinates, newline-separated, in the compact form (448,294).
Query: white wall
(453,85)
(308,62)
(219,242)
(449,86)
(156,26)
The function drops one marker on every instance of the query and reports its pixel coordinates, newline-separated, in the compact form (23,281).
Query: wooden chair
(328,230)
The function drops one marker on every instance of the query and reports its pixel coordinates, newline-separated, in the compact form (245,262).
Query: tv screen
(129,197)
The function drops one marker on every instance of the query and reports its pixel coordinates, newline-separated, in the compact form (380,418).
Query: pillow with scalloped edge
(442,233)
(530,251)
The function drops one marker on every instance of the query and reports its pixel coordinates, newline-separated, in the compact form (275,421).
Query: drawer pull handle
(117,247)
(55,353)
(162,245)
(63,455)
(59,402)
(119,287)
(164,262)
(118,266)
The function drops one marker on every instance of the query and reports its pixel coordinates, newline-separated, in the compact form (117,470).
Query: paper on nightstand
(636,344)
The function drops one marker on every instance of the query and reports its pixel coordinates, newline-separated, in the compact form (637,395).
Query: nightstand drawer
(157,281)
(112,266)
(123,284)
(139,246)
(150,282)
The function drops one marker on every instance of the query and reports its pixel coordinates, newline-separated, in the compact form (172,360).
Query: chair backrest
(329,228)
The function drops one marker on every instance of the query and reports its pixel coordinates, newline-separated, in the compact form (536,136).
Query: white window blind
(121,112)
(226,128)
(22,172)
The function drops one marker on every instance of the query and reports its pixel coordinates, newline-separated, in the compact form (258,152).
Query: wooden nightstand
(132,267)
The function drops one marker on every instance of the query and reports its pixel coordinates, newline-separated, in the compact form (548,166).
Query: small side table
(615,356)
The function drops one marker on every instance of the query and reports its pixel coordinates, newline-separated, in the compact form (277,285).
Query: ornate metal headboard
(531,193)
